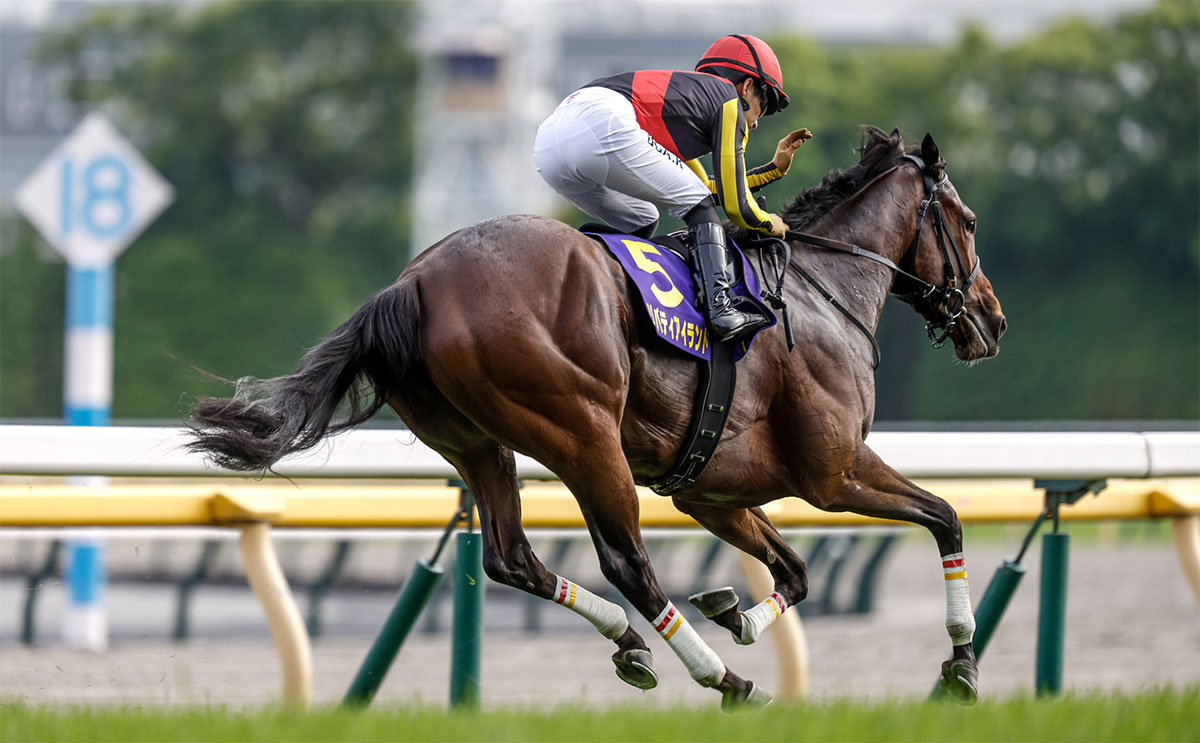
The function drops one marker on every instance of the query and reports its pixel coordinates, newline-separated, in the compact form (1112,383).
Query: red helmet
(748,55)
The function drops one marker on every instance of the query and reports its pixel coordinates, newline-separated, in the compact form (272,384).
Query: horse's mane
(879,153)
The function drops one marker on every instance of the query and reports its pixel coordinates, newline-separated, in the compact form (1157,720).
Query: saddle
(664,280)
(660,269)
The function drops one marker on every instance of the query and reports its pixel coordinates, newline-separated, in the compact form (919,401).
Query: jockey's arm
(756,178)
(703,175)
(732,188)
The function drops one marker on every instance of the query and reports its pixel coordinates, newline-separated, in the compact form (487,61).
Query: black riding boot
(708,258)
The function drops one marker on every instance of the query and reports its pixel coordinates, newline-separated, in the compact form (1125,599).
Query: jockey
(622,146)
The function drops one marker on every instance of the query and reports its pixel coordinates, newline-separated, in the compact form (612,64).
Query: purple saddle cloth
(668,292)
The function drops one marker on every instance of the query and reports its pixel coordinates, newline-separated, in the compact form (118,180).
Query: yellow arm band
(762,175)
(698,169)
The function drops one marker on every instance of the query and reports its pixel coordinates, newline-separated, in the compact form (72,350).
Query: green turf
(1158,715)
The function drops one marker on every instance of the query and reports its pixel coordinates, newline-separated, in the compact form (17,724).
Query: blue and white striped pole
(87,401)
(90,197)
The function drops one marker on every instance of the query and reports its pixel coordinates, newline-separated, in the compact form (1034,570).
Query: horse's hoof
(715,602)
(636,668)
(736,699)
(960,681)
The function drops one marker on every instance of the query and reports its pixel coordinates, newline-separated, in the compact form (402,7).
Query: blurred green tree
(1079,149)
(286,129)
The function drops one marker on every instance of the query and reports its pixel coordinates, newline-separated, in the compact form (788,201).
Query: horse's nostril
(1003,327)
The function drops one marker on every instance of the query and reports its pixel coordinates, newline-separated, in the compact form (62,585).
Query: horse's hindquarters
(522,332)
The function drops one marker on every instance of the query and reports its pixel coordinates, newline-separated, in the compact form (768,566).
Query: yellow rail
(254,509)
(357,506)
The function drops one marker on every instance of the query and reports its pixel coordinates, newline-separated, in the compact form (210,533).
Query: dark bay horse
(520,334)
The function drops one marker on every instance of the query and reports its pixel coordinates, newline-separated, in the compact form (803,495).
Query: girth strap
(718,378)
(714,396)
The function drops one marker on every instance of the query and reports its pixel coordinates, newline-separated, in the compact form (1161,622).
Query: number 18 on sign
(90,197)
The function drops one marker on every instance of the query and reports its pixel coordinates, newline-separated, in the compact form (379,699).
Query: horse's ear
(929,151)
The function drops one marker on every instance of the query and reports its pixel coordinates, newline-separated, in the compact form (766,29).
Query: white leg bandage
(757,619)
(960,622)
(701,660)
(604,615)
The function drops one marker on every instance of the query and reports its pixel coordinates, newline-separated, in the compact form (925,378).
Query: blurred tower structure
(476,60)
(492,71)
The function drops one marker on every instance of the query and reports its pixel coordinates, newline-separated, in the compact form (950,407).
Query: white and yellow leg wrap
(701,661)
(960,622)
(604,615)
(757,619)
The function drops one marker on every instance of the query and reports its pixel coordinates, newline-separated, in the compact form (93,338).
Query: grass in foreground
(1158,715)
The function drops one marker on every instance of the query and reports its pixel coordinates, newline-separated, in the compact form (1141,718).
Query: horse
(522,334)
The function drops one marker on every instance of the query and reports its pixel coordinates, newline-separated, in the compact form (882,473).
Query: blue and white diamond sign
(90,197)
(93,194)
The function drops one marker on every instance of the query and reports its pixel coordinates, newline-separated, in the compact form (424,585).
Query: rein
(948,294)
(776,300)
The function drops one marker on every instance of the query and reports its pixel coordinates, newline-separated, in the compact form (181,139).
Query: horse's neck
(876,221)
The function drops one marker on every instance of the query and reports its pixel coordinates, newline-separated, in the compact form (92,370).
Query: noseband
(923,294)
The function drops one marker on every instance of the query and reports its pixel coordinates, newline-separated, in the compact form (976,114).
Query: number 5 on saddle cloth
(664,280)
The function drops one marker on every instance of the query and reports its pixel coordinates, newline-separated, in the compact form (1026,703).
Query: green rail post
(187,589)
(1052,615)
(320,589)
(995,602)
(869,577)
(413,597)
(467,634)
(32,588)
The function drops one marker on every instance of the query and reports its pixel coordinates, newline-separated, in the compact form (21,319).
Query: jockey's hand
(778,227)
(787,149)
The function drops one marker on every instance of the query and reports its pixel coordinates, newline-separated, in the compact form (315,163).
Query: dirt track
(1132,623)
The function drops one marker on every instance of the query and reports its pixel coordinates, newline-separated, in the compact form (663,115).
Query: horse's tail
(355,366)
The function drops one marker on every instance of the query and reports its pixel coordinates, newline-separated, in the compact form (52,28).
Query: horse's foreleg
(872,488)
(606,495)
(508,558)
(752,532)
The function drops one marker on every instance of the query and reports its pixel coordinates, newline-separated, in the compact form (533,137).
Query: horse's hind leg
(592,467)
(872,488)
(596,474)
(603,486)
(490,472)
(751,531)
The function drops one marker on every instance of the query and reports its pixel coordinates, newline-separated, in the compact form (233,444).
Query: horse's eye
(971,226)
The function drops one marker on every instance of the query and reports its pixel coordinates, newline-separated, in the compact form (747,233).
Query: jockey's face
(748,90)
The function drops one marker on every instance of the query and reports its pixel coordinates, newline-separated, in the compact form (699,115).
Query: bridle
(921,295)
(949,294)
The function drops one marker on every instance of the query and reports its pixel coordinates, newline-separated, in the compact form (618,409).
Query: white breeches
(592,151)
